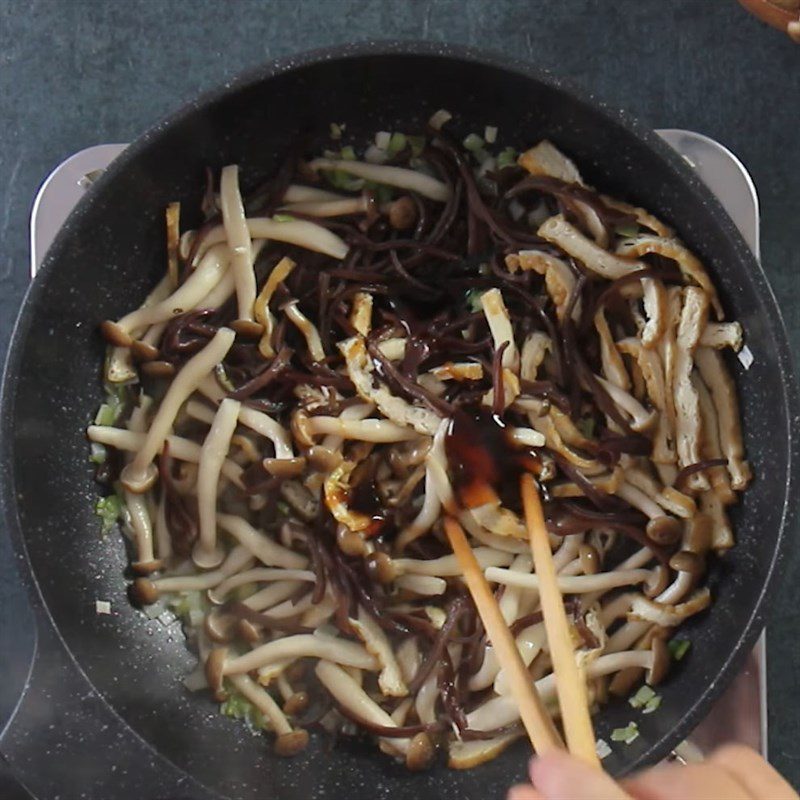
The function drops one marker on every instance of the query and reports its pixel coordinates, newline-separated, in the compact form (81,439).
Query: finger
(523,792)
(696,781)
(754,773)
(560,776)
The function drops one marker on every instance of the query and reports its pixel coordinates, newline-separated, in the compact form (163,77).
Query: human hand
(731,773)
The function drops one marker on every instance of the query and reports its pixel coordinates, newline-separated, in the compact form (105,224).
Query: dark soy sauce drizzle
(483,458)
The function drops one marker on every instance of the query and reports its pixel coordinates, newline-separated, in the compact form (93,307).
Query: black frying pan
(104,712)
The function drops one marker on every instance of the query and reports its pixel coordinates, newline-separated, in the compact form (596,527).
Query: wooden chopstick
(534,715)
(570,685)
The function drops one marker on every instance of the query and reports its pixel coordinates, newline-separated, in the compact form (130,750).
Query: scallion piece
(678,648)
(417,144)
(627,734)
(396,143)
(652,704)
(473,142)
(641,697)
(490,134)
(348,154)
(238,707)
(283,218)
(109,509)
(98,454)
(474,299)
(507,158)
(336,130)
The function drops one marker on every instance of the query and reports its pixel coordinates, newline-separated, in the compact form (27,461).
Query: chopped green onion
(283,508)
(507,158)
(109,509)
(602,748)
(474,299)
(678,648)
(283,218)
(111,410)
(396,143)
(481,155)
(439,118)
(417,145)
(652,704)
(473,142)
(348,154)
(641,697)
(627,734)
(382,139)
(341,179)
(98,454)
(336,130)
(490,134)
(239,707)
(628,230)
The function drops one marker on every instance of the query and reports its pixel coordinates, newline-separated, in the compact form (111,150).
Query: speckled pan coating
(121,724)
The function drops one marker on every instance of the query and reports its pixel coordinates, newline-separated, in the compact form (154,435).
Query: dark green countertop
(80,72)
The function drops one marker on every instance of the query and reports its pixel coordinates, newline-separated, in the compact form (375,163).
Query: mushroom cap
(290,744)
(420,753)
(138,481)
(215,672)
(687,561)
(301,430)
(248,631)
(380,566)
(402,213)
(158,369)
(218,626)
(144,592)
(142,351)
(147,567)
(285,467)
(115,334)
(296,704)
(661,661)
(664,530)
(323,459)
(207,557)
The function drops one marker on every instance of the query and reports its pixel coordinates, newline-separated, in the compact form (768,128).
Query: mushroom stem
(268,427)
(186,297)
(260,545)
(408,179)
(448,566)
(570,584)
(365,430)
(350,695)
(304,645)
(238,558)
(503,710)
(179,448)
(207,554)
(140,474)
(238,236)
(300,232)
(142,528)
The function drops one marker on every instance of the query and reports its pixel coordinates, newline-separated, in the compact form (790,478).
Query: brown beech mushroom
(421,752)
(215,672)
(402,213)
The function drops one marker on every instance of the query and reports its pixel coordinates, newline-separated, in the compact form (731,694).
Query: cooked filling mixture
(372,338)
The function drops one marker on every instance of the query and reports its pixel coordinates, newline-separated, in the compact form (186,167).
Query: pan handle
(63,734)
